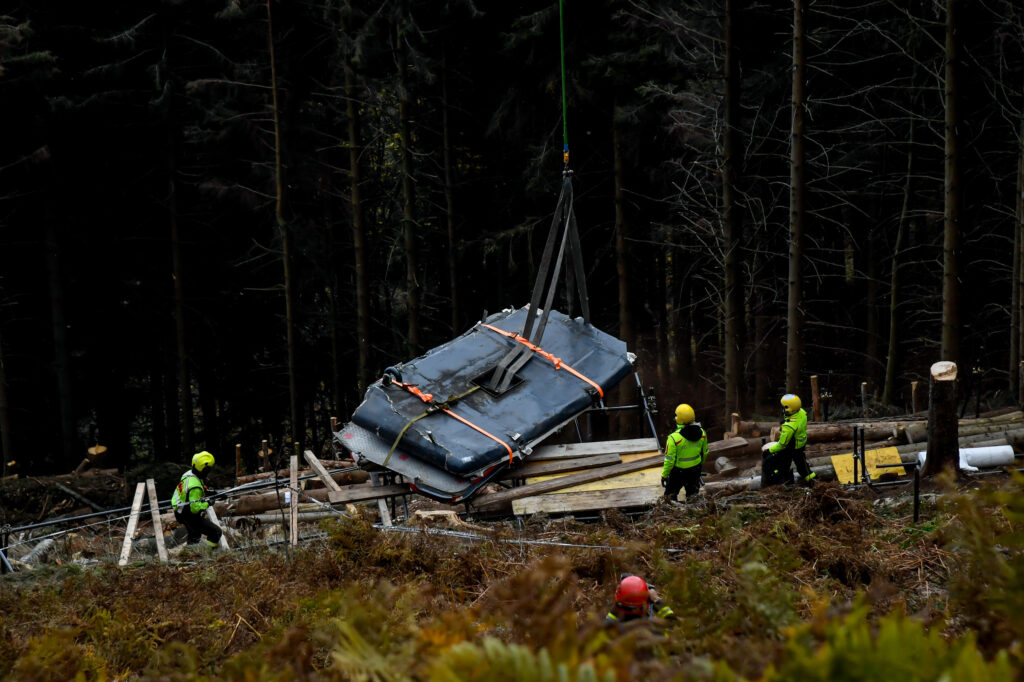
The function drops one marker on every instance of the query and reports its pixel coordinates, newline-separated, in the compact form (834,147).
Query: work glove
(664,482)
(201,506)
(767,446)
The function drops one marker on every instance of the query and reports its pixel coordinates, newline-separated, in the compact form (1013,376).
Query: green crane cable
(565,106)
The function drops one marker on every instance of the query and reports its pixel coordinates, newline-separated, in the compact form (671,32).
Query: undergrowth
(808,586)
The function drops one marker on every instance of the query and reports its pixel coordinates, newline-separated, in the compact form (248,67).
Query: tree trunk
(889,389)
(412,283)
(626,332)
(158,433)
(951,226)
(184,386)
(731,217)
(449,198)
(61,351)
(282,226)
(943,449)
(672,315)
(1017,306)
(796,204)
(6,443)
(358,230)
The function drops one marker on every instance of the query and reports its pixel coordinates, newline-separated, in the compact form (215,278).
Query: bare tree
(794,314)
(951,223)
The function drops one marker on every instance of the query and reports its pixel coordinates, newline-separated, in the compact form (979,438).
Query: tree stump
(943,427)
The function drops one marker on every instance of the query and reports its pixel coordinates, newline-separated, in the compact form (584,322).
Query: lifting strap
(557,362)
(440,407)
(564,222)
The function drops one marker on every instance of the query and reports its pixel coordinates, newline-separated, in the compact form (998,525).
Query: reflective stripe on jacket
(793,433)
(686,447)
(190,490)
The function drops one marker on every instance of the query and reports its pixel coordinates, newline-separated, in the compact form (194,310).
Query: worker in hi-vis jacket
(190,504)
(685,451)
(775,465)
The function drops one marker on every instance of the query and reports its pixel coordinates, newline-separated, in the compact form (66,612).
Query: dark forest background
(220,219)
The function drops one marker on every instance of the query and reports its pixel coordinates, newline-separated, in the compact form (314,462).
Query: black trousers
(776,467)
(197,526)
(678,479)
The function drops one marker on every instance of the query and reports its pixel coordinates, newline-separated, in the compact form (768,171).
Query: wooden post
(913,397)
(293,484)
(238,462)
(158,527)
(133,522)
(334,425)
(264,456)
(734,426)
(943,427)
(815,399)
(385,515)
(864,398)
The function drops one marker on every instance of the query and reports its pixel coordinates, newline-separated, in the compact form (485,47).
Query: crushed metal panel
(449,458)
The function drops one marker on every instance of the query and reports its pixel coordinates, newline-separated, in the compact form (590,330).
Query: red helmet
(632,595)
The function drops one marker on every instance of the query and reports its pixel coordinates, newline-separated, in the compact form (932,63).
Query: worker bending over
(635,599)
(190,504)
(775,467)
(685,451)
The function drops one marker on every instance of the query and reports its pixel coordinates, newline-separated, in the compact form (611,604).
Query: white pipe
(971,459)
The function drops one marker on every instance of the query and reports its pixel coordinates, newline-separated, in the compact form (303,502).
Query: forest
(219,221)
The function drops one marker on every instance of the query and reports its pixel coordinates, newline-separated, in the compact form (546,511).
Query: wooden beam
(588,501)
(362,493)
(158,527)
(320,470)
(616,447)
(558,466)
(506,496)
(490,502)
(133,522)
(385,513)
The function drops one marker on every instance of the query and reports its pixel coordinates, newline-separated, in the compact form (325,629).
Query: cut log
(943,427)
(362,493)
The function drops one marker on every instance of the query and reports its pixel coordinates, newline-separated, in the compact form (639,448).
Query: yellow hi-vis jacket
(190,492)
(686,447)
(793,433)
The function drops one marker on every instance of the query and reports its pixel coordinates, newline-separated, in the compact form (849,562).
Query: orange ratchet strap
(557,362)
(429,398)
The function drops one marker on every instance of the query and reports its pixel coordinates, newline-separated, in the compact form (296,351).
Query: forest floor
(821,583)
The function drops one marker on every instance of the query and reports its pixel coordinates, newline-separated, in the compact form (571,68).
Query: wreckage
(455,418)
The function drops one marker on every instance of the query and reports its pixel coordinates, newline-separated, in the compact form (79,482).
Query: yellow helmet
(684,414)
(791,403)
(202,460)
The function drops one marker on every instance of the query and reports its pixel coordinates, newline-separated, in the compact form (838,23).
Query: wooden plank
(613,447)
(504,497)
(564,502)
(211,514)
(293,510)
(562,482)
(637,479)
(362,493)
(133,522)
(320,470)
(532,469)
(158,527)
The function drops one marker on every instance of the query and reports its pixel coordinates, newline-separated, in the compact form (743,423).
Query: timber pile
(906,437)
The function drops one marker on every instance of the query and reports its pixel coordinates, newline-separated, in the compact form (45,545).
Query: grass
(794,586)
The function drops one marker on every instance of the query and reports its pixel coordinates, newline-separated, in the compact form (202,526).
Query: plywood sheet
(843,464)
